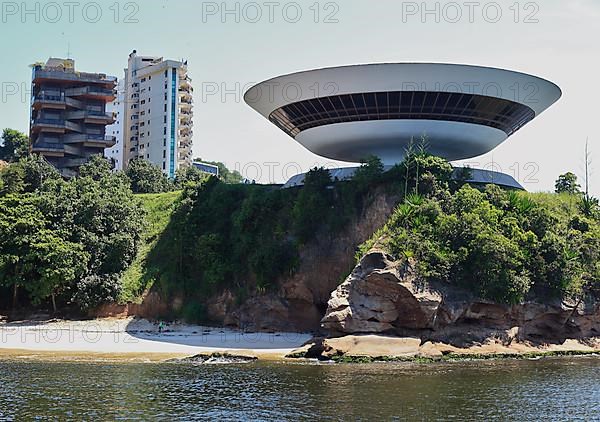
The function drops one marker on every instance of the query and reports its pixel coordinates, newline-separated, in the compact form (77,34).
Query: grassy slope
(563,205)
(159,208)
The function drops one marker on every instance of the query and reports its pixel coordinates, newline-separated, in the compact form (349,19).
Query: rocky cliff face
(384,296)
(301,300)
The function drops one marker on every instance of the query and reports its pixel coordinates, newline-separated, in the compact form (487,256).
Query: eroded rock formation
(384,296)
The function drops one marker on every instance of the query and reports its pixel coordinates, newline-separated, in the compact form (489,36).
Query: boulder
(379,296)
(383,295)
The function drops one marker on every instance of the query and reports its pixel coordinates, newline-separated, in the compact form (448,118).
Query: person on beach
(161,327)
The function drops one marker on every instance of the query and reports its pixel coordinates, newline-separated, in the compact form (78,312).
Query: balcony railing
(73,126)
(89,114)
(48,122)
(88,137)
(90,90)
(41,73)
(41,145)
(72,102)
(52,98)
(74,162)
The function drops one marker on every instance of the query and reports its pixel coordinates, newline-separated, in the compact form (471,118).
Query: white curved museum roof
(350,112)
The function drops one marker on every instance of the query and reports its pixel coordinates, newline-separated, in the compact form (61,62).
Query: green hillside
(215,235)
(505,246)
(159,208)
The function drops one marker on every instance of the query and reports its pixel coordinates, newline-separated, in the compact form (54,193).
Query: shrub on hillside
(501,245)
(145,177)
(94,290)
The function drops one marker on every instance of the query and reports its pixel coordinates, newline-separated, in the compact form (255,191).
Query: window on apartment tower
(149,77)
(164,130)
(164,154)
(164,165)
(165,108)
(166,73)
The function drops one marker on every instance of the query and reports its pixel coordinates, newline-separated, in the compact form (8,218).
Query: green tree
(37,171)
(189,175)
(96,168)
(94,290)
(15,145)
(369,173)
(567,183)
(53,265)
(145,177)
(102,215)
(312,206)
(13,179)
(27,175)
(20,224)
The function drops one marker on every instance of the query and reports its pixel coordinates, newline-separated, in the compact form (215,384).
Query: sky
(231,45)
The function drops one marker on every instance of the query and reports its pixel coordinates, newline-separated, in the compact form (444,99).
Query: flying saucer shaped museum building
(349,113)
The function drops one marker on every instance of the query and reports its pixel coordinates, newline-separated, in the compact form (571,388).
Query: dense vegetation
(245,237)
(91,239)
(69,242)
(145,177)
(505,246)
(65,241)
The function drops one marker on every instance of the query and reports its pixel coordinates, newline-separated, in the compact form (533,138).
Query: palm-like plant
(589,206)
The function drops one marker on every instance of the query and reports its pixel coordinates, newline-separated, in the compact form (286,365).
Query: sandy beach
(129,337)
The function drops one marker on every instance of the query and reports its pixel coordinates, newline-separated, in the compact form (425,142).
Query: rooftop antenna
(68,50)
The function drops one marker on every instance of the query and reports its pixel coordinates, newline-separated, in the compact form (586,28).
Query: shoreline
(379,348)
(27,355)
(139,339)
(467,357)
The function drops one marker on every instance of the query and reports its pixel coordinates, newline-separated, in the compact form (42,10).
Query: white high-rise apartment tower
(157,121)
